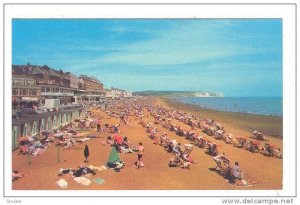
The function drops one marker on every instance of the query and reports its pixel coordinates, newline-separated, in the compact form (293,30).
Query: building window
(23,92)
(30,82)
(51,82)
(33,93)
(18,82)
(47,90)
(15,92)
(43,89)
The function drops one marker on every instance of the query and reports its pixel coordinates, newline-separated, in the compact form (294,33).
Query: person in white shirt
(236,171)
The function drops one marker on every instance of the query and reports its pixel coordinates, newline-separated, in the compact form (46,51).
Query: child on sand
(98,125)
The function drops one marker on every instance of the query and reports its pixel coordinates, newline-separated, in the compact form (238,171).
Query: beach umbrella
(24,148)
(119,139)
(113,156)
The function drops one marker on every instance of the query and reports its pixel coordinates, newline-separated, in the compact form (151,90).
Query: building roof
(93,79)
(35,69)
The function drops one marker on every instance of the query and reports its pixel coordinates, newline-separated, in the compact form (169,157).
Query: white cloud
(187,42)
(182,42)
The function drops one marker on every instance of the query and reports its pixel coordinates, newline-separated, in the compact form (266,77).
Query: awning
(30,99)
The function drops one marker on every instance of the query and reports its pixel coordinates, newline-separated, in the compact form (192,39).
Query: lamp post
(28,158)
(58,154)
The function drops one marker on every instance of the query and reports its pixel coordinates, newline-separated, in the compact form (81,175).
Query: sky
(236,57)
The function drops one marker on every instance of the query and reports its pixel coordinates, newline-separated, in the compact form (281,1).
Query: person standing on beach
(237,173)
(86,153)
(98,125)
(140,163)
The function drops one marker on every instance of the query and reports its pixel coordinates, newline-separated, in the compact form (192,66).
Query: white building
(117,93)
(74,80)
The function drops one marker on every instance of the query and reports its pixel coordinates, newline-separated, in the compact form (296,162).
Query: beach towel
(99,181)
(126,150)
(62,183)
(92,136)
(103,167)
(83,139)
(82,180)
(99,169)
(242,183)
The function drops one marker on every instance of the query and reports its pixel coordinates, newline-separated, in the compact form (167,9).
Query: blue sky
(237,57)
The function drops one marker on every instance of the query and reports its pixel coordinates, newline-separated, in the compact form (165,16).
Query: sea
(252,105)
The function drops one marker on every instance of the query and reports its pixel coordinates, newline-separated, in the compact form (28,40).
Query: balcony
(57,94)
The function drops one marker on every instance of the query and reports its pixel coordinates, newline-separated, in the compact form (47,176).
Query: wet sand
(156,175)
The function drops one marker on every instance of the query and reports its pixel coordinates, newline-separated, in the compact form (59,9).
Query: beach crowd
(198,131)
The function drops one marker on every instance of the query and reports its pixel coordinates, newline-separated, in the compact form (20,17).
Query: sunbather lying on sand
(77,173)
(16,175)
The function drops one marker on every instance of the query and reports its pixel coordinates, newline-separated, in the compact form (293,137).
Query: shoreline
(269,124)
(230,111)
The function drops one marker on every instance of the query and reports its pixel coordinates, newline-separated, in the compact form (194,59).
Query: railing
(57,94)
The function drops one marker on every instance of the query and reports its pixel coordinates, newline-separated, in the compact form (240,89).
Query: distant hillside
(171,94)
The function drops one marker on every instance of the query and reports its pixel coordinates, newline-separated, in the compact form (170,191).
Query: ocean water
(253,105)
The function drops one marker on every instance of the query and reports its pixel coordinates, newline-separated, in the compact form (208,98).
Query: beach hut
(14,136)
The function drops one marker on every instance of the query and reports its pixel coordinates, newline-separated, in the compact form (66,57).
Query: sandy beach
(266,172)
(271,125)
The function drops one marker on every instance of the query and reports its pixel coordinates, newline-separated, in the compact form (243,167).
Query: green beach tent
(114,157)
